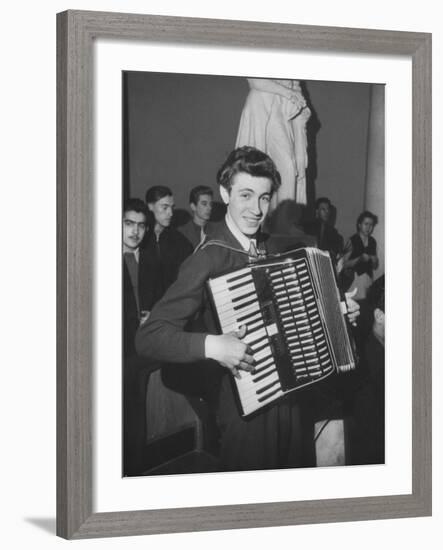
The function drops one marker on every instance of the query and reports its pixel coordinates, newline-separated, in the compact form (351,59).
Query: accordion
(291,307)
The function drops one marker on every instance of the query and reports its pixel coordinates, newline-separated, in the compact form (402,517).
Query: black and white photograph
(202,204)
(253,263)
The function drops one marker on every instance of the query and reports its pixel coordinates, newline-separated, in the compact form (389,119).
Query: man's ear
(192,206)
(224,194)
(151,206)
(379,315)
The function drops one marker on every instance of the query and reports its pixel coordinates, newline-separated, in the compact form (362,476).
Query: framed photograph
(149,110)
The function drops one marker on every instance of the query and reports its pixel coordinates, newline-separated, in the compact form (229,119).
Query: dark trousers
(268,439)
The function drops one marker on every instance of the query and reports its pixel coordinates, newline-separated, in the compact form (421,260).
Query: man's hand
(230,351)
(353,307)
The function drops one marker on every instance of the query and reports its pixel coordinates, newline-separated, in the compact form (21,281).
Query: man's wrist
(210,344)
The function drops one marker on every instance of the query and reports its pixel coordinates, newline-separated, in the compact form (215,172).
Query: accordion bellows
(296,329)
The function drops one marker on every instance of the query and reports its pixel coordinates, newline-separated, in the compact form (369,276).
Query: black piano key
(268,386)
(258,345)
(232,288)
(268,395)
(246,304)
(261,341)
(244,318)
(263,376)
(258,370)
(241,275)
(242,296)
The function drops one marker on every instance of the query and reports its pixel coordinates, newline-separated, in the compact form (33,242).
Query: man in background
(200,202)
(327,236)
(164,243)
(138,272)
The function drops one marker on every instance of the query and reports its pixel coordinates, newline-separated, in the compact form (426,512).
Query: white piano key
(253,326)
(268,397)
(238,314)
(248,388)
(265,383)
(258,378)
(221,298)
(262,354)
(248,397)
(251,323)
(249,393)
(255,335)
(224,279)
(264,363)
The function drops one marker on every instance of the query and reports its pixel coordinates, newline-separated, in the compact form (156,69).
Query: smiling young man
(269,439)
(181,328)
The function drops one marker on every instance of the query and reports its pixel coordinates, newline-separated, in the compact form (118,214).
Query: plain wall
(180,129)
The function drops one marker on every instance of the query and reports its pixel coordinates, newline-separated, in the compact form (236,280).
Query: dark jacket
(167,254)
(328,238)
(132,305)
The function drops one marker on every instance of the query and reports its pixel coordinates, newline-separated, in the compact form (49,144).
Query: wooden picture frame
(76,32)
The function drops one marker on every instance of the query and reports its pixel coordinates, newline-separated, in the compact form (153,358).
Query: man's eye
(245,195)
(266,198)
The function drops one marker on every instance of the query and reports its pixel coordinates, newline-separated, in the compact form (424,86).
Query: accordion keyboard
(280,307)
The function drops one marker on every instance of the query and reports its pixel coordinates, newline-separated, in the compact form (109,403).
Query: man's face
(323,211)
(248,201)
(366,226)
(162,210)
(202,210)
(134,229)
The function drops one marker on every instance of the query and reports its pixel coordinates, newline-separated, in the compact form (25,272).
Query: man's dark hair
(367,214)
(157,192)
(322,200)
(198,191)
(135,205)
(248,160)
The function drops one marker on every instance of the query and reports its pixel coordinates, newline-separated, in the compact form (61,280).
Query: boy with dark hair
(269,438)
(139,272)
(200,202)
(327,236)
(164,242)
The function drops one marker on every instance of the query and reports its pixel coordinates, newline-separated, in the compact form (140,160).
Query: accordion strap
(222,244)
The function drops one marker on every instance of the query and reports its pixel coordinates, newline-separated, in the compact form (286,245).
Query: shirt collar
(241,238)
(136,252)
